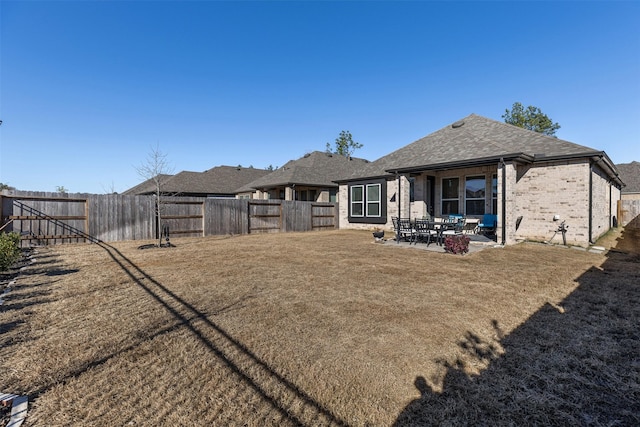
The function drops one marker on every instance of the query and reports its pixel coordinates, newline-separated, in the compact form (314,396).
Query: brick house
(630,173)
(217,182)
(476,166)
(309,178)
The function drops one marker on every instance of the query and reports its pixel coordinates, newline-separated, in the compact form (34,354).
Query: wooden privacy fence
(629,213)
(51,218)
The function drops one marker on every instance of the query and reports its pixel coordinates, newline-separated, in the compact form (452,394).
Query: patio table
(440,226)
(471,226)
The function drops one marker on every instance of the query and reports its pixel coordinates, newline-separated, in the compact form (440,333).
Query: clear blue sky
(88,88)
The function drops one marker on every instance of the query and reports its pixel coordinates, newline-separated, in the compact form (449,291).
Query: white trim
(362,202)
(378,202)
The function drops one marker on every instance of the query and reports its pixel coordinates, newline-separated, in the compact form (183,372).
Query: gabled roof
(474,140)
(317,169)
(148,186)
(630,175)
(220,180)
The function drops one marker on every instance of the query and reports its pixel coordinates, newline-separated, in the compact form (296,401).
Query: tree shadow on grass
(17,300)
(573,364)
(287,401)
(285,397)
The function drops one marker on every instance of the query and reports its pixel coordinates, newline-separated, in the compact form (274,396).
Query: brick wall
(548,189)
(537,193)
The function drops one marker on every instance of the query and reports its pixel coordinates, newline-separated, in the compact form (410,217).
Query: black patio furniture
(452,229)
(405,230)
(425,231)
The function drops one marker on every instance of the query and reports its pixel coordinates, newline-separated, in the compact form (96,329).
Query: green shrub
(458,244)
(9,249)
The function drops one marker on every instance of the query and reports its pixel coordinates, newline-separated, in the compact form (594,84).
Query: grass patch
(322,329)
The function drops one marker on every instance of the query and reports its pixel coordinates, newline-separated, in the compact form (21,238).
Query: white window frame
(360,202)
(374,202)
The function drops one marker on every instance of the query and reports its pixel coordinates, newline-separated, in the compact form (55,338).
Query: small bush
(9,249)
(458,244)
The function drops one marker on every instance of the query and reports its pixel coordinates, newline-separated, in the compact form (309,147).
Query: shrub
(9,249)
(458,244)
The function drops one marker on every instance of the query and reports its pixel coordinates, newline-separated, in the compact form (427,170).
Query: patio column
(403,194)
(289,193)
(507,208)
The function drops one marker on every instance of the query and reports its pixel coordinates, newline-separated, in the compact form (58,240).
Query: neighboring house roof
(148,186)
(316,169)
(220,180)
(475,140)
(630,174)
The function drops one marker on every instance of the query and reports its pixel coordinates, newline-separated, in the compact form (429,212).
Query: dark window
(357,200)
(450,196)
(373,200)
(474,195)
(367,202)
(494,194)
(412,189)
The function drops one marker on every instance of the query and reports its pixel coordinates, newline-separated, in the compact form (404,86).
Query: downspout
(610,203)
(399,205)
(590,201)
(504,201)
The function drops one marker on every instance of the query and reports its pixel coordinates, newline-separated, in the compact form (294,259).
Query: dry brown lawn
(324,329)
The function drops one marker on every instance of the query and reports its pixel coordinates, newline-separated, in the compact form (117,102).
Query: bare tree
(110,189)
(156,169)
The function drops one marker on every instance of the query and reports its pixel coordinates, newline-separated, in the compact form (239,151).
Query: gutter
(602,158)
(517,157)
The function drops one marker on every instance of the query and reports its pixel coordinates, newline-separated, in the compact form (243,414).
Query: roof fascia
(360,178)
(517,157)
(291,184)
(602,157)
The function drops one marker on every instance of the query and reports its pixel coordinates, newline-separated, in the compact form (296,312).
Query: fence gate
(629,213)
(184,217)
(323,216)
(45,220)
(265,217)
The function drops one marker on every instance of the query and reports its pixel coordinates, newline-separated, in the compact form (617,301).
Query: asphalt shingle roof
(318,169)
(146,187)
(474,137)
(218,180)
(630,175)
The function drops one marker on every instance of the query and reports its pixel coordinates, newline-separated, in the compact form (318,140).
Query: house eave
(361,178)
(517,157)
(294,184)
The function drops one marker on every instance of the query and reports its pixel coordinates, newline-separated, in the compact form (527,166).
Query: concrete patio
(477,243)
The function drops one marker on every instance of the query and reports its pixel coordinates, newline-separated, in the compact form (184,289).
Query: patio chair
(488,224)
(424,231)
(405,230)
(453,229)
